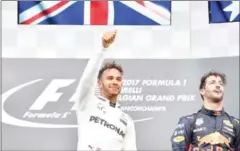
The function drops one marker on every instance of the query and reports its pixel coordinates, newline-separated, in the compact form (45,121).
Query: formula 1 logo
(36,115)
(50,94)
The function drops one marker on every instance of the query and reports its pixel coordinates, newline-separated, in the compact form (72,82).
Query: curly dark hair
(211,73)
(109,65)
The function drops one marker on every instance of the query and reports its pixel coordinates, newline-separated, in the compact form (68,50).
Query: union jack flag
(134,12)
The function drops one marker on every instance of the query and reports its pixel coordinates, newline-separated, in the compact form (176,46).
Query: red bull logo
(212,139)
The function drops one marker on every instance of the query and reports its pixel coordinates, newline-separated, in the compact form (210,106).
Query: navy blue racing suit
(207,130)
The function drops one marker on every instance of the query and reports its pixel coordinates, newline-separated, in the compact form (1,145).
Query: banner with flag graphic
(135,12)
(224,11)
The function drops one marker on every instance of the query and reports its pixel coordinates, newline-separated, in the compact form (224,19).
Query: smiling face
(110,83)
(213,88)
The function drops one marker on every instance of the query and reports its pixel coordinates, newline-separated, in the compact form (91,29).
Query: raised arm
(88,81)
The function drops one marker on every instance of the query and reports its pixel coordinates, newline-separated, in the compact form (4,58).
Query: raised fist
(108,38)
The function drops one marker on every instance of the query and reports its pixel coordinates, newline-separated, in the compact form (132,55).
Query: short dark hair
(212,73)
(109,65)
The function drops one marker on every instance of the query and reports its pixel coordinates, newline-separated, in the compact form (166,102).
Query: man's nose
(218,86)
(115,82)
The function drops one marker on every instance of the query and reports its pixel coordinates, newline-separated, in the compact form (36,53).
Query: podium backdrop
(38,112)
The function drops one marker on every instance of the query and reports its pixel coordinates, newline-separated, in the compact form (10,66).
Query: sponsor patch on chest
(106,124)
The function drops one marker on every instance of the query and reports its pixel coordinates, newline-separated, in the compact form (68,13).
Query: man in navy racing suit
(211,128)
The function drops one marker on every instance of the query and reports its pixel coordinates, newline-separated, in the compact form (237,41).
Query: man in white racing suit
(102,124)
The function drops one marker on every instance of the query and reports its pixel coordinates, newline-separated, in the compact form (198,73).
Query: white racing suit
(100,126)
